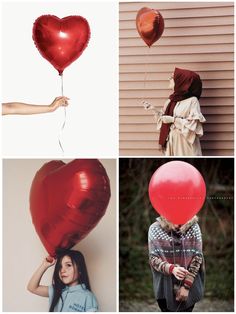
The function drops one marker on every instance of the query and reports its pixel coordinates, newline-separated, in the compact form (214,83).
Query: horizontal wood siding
(198,36)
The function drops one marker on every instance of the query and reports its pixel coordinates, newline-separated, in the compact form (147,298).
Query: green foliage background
(216,222)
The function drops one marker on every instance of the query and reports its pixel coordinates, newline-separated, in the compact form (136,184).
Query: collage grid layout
(117,156)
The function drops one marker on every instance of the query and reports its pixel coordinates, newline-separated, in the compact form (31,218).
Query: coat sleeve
(196,261)
(191,126)
(157,262)
(160,114)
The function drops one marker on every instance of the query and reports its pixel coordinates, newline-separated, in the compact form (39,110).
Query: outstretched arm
(22,108)
(34,283)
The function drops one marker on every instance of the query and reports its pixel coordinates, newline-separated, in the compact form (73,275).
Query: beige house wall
(198,36)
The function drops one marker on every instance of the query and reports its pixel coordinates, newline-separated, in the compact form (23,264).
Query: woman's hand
(34,285)
(167,119)
(182,294)
(179,272)
(58,102)
(147,105)
(49,261)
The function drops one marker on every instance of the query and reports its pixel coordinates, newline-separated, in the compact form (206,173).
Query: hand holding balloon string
(180,272)
(49,261)
(61,48)
(150,26)
(148,106)
(60,101)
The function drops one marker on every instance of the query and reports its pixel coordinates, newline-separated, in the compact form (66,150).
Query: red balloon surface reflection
(67,201)
(177,191)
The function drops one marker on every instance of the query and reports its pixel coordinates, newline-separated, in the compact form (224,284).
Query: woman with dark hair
(180,120)
(70,290)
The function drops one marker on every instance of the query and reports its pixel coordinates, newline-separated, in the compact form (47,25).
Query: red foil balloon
(67,201)
(150,25)
(61,41)
(177,191)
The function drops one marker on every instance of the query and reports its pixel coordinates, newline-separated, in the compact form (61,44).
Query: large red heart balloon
(67,201)
(61,41)
(150,25)
(177,191)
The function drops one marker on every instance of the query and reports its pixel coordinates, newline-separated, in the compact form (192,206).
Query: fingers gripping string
(64,122)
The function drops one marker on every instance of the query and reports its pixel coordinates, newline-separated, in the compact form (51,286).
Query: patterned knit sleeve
(157,262)
(191,126)
(197,259)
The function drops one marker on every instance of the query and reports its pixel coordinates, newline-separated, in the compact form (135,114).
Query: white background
(91,83)
(23,251)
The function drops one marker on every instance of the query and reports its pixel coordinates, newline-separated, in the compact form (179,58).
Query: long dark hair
(78,261)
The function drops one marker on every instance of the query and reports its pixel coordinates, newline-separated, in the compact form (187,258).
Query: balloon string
(146,73)
(64,122)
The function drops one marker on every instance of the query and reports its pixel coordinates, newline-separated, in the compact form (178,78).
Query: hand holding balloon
(49,261)
(58,102)
(180,272)
(27,109)
(147,105)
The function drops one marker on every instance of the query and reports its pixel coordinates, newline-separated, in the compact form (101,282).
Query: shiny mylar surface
(61,41)
(177,191)
(67,201)
(150,25)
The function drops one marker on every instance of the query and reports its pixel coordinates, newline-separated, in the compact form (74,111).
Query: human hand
(167,119)
(180,272)
(49,261)
(58,102)
(182,294)
(147,105)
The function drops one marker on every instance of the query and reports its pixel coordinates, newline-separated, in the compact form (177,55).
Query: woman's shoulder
(191,100)
(155,225)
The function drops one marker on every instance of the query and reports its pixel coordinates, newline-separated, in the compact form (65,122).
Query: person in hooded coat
(177,264)
(180,120)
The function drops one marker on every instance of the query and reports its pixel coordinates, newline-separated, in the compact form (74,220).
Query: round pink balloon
(177,191)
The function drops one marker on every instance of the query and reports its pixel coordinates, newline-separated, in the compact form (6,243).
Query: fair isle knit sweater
(168,248)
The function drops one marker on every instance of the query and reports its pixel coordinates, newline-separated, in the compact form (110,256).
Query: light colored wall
(197,36)
(23,251)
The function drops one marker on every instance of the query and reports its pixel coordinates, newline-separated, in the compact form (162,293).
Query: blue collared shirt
(75,299)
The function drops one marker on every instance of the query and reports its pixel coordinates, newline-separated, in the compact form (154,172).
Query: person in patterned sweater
(177,264)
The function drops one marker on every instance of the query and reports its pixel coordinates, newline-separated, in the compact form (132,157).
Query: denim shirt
(75,299)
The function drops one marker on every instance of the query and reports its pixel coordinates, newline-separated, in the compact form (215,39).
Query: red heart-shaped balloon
(67,201)
(150,25)
(61,41)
